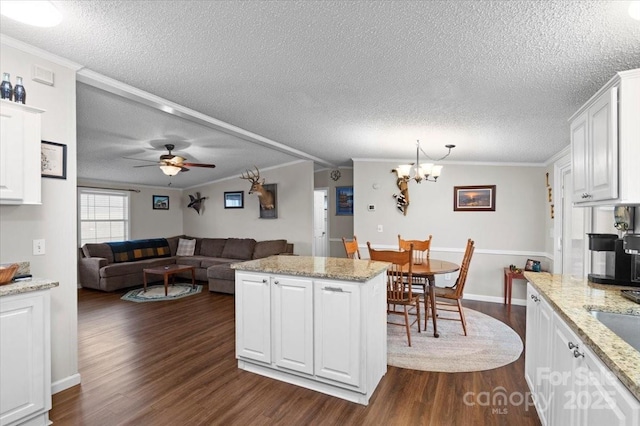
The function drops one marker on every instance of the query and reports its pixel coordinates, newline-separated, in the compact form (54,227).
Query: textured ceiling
(341,80)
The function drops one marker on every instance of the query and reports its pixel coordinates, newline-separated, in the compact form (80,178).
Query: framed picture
(53,160)
(234,200)
(161,202)
(532,265)
(481,198)
(344,200)
(270,213)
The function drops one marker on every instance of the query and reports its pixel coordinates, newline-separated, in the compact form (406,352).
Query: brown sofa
(100,269)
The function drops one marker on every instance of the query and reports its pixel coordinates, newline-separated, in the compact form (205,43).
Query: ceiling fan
(171,164)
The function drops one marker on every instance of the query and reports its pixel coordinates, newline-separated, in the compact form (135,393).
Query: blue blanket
(127,251)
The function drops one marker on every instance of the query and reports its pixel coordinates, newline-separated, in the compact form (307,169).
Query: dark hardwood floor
(172,363)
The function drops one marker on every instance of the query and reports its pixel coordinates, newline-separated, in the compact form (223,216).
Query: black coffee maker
(617,262)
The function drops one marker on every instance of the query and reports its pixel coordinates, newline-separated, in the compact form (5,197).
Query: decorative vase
(6,90)
(19,94)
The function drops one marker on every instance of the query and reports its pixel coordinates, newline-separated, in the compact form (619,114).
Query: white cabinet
(537,359)
(19,153)
(25,359)
(322,334)
(604,144)
(337,323)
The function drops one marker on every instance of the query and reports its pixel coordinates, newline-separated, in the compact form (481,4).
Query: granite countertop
(316,267)
(25,286)
(572,299)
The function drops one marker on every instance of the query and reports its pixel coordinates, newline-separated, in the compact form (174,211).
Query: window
(104,216)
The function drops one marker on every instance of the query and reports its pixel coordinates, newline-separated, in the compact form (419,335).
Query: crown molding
(454,163)
(558,155)
(17,44)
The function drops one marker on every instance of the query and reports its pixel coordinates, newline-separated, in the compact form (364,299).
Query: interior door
(320,232)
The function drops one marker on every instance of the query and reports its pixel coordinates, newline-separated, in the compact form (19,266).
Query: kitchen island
(566,345)
(315,322)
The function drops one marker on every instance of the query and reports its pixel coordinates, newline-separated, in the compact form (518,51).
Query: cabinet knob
(577,354)
(264,281)
(276,282)
(573,345)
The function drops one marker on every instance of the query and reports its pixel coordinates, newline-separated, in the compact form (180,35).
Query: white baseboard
(494,299)
(65,383)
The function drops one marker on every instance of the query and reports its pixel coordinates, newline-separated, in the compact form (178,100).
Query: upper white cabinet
(605,144)
(19,153)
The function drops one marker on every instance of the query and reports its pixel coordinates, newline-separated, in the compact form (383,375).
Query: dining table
(428,269)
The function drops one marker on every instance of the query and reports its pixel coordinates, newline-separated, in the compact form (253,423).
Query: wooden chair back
(351,247)
(399,274)
(464,269)
(421,249)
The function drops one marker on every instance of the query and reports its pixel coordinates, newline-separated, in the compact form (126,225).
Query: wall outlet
(447,277)
(371,207)
(38,247)
(379,228)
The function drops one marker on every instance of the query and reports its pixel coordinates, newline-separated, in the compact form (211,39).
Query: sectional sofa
(115,266)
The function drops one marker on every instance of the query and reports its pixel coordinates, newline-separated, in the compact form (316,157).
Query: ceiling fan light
(36,13)
(170,170)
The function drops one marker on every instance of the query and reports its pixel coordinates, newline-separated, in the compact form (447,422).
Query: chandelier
(429,171)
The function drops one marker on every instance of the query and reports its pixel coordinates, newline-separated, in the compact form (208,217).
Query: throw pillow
(186,247)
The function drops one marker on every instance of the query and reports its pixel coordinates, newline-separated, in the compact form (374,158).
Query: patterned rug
(155,293)
(489,344)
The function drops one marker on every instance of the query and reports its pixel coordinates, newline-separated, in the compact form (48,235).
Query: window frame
(112,192)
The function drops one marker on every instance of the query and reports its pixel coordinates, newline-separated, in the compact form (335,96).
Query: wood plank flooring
(173,363)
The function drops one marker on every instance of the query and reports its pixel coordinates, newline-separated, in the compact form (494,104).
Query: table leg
(432,297)
(166,284)
(144,281)
(509,288)
(193,277)
(506,275)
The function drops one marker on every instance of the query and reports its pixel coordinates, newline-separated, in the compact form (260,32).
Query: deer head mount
(265,196)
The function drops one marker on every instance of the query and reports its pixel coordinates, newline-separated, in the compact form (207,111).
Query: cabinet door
(253,317)
(11,154)
(603,158)
(293,323)
(531,335)
(579,169)
(337,331)
(563,391)
(24,357)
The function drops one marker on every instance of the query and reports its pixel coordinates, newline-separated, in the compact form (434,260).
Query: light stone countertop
(572,299)
(25,286)
(316,267)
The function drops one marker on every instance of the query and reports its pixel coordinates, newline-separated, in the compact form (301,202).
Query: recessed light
(634,10)
(36,13)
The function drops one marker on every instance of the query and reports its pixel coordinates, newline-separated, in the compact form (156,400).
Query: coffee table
(169,271)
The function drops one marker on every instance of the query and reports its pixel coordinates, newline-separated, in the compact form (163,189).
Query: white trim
(453,163)
(493,299)
(91,182)
(461,250)
(65,383)
(558,155)
(17,44)
(110,85)
(291,163)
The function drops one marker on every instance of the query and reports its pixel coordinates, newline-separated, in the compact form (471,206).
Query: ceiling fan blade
(210,166)
(140,159)
(147,165)
(184,169)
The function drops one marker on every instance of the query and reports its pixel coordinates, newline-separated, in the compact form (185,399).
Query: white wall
(511,234)
(55,219)
(339,226)
(295,209)
(145,221)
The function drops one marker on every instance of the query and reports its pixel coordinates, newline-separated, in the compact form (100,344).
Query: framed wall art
(161,202)
(480,198)
(53,160)
(344,200)
(234,200)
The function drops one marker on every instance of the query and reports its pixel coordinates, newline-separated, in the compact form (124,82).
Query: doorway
(320,222)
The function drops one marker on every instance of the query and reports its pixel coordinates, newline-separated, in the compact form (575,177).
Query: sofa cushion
(186,247)
(212,261)
(98,250)
(173,243)
(195,261)
(212,247)
(269,248)
(221,272)
(127,251)
(239,248)
(125,268)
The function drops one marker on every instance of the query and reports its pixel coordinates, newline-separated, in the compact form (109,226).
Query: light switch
(38,247)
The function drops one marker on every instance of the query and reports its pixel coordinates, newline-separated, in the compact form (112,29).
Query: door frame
(327,248)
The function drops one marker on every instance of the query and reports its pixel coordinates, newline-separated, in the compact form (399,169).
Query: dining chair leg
(418,314)
(406,323)
(426,310)
(462,318)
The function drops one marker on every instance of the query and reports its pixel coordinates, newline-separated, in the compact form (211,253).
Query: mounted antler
(265,196)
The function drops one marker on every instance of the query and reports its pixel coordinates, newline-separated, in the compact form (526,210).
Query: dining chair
(445,296)
(351,247)
(421,251)
(399,291)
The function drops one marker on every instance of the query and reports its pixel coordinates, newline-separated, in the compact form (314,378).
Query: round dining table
(428,269)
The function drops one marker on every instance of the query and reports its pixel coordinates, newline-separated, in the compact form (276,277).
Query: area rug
(489,344)
(156,293)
